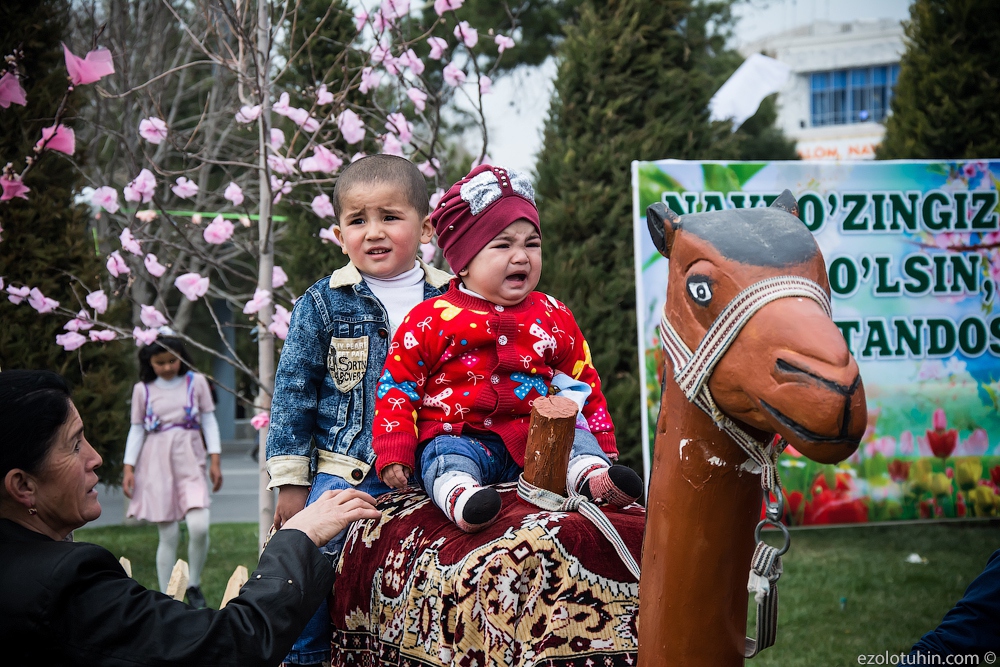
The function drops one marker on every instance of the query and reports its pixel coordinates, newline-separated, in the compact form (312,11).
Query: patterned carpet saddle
(535,588)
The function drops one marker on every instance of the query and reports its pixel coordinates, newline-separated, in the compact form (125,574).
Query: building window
(858,95)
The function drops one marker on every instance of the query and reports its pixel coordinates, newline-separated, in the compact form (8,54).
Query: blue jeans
(485,457)
(313,645)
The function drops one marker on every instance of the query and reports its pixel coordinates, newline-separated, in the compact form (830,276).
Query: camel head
(789,370)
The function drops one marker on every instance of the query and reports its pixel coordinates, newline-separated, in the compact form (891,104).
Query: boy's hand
(396,475)
(291,500)
(128,481)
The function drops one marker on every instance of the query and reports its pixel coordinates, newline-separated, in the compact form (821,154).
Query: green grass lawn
(887,603)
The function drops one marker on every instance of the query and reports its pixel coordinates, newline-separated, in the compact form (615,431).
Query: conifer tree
(634,83)
(946,100)
(46,242)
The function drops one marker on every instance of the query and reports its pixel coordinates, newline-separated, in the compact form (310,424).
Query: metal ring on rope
(780,526)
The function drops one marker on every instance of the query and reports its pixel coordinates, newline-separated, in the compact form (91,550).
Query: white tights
(170,537)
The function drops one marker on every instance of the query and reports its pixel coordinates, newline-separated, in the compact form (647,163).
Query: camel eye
(700,289)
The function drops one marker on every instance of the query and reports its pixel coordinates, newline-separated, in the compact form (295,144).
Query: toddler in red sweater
(454,399)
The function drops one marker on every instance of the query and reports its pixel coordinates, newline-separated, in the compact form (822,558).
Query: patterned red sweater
(458,361)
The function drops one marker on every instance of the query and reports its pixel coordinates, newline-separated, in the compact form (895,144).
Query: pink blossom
(153,130)
(70,341)
(192,285)
(105,197)
(503,43)
(442,6)
(79,323)
(151,317)
(394,9)
(278,277)
(153,266)
(11,91)
(40,302)
(279,187)
(149,215)
(391,145)
(93,67)
(261,420)
(323,96)
(438,47)
(280,322)
(886,446)
(116,265)
(98,301)
(392,65)
(906,443)
(380,22)
(453,76)
(144,336)
(185,188)
(977,443)
(261,298)
(411,60)
(322,160)
(277,138)
(939,421)
(396,122)
(418,97)
(58,138)
(351,126)
(218,231)
(327,235)
(17,294)
(234,193)
(467,34)
(429,168)
(282,106)
(379,53)
(302,118)
(141,188)
(280,164)
(322,207)
(357,156)
(129,243)
(427,252)
(932,369)
(360,19)
(485,84)
(369,80)
(248,114)
(436,198)
(950,240)
(104,335)
(13,187)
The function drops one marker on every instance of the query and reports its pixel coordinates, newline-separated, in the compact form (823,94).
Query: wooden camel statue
(752,351)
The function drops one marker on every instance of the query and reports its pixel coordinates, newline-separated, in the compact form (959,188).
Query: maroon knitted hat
(479,207)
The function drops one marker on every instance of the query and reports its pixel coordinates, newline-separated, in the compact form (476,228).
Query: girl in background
(164,476)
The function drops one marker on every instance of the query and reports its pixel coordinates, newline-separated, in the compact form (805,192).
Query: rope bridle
(692,371)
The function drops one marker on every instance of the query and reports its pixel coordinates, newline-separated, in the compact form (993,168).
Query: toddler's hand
(291,500)
(396,475)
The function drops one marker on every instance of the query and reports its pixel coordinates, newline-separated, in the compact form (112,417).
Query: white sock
(445,486)
(197,523)
(166,551)
(581,468)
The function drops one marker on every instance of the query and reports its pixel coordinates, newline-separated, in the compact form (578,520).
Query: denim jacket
(324,389)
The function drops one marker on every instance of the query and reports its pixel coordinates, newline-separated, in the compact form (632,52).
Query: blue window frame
(857,95)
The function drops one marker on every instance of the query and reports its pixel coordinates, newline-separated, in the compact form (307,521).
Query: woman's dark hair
(162,344)
(33,407)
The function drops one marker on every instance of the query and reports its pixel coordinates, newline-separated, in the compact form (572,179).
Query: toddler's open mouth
(517,278)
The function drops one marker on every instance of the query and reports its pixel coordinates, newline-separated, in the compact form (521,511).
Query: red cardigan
(460,362)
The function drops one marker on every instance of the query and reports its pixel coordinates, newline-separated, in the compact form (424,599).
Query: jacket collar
(349,275)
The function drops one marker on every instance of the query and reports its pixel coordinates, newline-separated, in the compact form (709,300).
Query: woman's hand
(396,475)
(331,513)
(128,481)
(215,472)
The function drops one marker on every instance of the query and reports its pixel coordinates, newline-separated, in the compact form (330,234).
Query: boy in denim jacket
(324,396)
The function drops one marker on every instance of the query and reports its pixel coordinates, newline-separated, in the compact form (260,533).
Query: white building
(841,85)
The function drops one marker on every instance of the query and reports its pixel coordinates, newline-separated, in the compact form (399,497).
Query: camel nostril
(802,373)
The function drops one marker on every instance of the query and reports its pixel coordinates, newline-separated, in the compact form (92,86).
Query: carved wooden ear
(663,223)
(786,202)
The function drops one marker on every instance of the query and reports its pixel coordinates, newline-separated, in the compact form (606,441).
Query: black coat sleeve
(105,618)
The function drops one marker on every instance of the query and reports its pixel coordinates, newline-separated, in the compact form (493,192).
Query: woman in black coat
(66,603)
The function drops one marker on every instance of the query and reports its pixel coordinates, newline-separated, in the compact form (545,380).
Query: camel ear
(786,202)
(663,223)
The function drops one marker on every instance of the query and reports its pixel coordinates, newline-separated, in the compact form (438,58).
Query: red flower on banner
(834,505)
(899,471)
(942,441)
(995,475)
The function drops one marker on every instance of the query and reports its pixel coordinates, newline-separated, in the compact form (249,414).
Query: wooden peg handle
(550,438)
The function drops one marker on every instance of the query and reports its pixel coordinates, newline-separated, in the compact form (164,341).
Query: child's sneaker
(618,485)
(475,508)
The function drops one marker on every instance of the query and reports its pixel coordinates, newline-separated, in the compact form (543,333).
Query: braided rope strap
(764,573)
(553,502)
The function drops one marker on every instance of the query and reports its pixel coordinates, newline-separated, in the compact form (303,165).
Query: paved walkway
(235,502)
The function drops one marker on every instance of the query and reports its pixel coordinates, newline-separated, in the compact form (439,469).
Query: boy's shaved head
(381,168)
